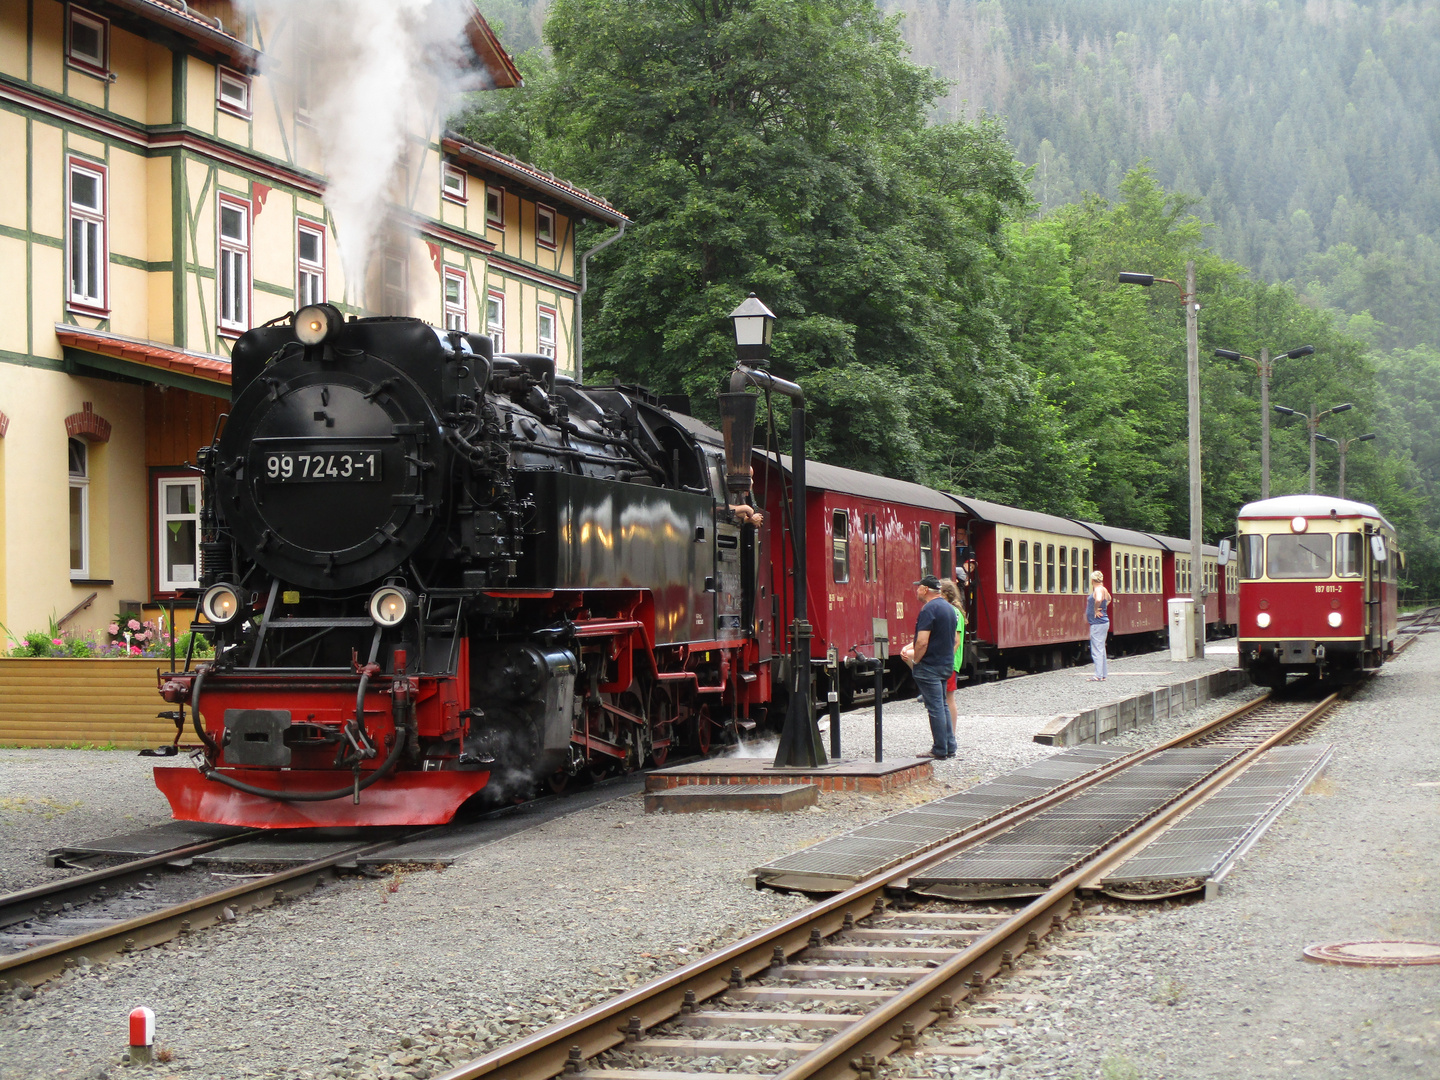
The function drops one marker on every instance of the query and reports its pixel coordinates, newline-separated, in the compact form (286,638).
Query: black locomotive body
(428,570)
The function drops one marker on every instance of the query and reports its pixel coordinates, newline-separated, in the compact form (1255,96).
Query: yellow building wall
(14,50)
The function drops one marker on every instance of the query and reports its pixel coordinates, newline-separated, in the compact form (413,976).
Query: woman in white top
(1097,614)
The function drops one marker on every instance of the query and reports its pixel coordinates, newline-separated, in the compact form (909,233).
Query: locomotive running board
(407,798)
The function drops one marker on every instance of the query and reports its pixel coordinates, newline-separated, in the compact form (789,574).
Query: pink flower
(133,624)
(134,650)
(57,641)
(113,629)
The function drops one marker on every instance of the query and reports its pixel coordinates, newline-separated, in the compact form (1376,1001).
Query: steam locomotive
(429,570)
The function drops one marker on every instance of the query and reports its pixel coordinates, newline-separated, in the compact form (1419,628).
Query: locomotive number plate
(346,465)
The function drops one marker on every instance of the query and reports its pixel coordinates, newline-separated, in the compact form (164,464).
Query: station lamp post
(1343,445)
(1192,372)
(1313,420)
(1264,369)
(800,745)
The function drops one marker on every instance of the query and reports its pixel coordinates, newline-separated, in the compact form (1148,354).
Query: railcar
(1131,562)
(429,571)
(1317,588)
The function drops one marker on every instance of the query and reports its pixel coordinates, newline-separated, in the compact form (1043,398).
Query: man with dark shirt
(933,656)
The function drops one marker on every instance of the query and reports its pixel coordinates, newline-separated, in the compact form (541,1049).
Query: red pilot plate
(407,798)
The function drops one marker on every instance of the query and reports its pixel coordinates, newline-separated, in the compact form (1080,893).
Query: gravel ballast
(408,975)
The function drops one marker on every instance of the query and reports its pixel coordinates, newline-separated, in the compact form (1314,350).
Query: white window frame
(457,193)
(303,53)
(545,213)
(91,65)
(233,318)
(495,327)
(455,318)
(497,219)
(543,345)
(80,482)
(97,300)
(310,270)
(162,581)
(394,298)
(241,108)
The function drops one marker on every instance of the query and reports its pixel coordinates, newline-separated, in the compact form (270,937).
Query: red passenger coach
(1317,588)
(1132,564)
(1175,578)
(1032,574)
(868,539)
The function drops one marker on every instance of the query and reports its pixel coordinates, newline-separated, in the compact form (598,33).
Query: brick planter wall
(47,701)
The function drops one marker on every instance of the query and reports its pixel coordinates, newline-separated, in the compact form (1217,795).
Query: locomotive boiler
(429,570)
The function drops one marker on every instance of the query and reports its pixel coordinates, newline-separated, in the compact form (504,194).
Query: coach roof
(1176,544)
(1110,534)
(1001,514)
(824,477)
(1313,506)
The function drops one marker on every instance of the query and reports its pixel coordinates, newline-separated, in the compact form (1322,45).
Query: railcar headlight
(315,323)
(1262,620)
(1298,524)
(221,604)
(1334,618)
(391,605)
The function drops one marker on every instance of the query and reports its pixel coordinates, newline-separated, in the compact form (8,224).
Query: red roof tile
(151,354)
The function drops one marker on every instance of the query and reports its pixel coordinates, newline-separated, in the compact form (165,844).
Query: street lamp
(800,745)
(1313,419)
(1264,370)
(1192,371)
(1343,445)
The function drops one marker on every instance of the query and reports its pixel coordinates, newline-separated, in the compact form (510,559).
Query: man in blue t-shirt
(933,656)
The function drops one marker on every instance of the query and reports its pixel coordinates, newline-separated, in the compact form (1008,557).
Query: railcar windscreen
(1348,547)
(1251,549)
(1306,556)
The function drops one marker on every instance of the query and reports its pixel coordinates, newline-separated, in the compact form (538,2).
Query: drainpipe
(580,299)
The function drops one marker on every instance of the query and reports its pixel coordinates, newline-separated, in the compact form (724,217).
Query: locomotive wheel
(662,724)
(701,729)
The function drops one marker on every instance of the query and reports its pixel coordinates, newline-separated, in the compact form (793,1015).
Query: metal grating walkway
(1040,850)
(836,864)
(1206,841)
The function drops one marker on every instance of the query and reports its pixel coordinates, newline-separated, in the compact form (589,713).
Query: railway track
(1416,623)
(834,990)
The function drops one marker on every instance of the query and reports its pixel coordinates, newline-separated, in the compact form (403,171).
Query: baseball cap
(930,581)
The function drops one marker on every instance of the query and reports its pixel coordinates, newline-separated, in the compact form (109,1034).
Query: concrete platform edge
(1112,718)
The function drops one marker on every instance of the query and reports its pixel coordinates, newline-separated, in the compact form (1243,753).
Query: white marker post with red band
(142,1035)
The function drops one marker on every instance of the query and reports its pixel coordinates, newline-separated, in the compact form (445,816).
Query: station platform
(843,775)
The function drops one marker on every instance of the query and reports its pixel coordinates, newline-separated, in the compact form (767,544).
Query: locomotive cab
(1317,588)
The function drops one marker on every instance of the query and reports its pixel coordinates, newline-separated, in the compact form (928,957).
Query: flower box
(71,702)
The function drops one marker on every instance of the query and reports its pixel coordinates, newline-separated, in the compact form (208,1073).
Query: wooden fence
(71,702)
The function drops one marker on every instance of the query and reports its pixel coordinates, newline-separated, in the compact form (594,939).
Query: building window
(495,206)
(79,509)
(179,534)
(454,300)
(946,562)
(927,550)
(1024,566)
(233,271)
(232,92)
(452,183)
(88,256)
(545,331)
(303,59)
(89,42)
(545,226)
(495,318)
(395,278)
(1009,565)
(309,264)
(840,546)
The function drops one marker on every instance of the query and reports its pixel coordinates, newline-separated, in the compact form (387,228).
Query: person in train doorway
(932,659)
(951,592)
(1097,614)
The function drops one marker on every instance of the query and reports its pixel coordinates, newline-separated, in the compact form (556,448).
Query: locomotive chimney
(737,422)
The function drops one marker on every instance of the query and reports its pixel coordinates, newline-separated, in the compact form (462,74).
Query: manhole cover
(1376,953)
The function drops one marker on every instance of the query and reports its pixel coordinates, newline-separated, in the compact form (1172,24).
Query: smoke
(378,78)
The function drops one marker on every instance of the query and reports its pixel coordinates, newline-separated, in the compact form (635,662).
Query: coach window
(1075,570)
(946,563)
(79,509)
(1348,546)
(927,550)
(1049,568)
(1024,566)
(1085,570)
(1064,569)
(1303,556)
(840,546)
(1009,567)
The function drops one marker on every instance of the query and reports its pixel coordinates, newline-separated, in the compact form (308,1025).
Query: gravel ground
(403,977)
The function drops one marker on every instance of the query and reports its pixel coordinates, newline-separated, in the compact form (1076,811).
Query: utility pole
(1192,369)
(1264,423)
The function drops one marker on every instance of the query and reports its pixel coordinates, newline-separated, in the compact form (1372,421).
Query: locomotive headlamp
(221,604)
(1298,524)
(315,323)
(1262,620)
(390,605)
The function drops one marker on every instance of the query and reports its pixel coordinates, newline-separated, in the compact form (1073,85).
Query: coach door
(1375,555)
